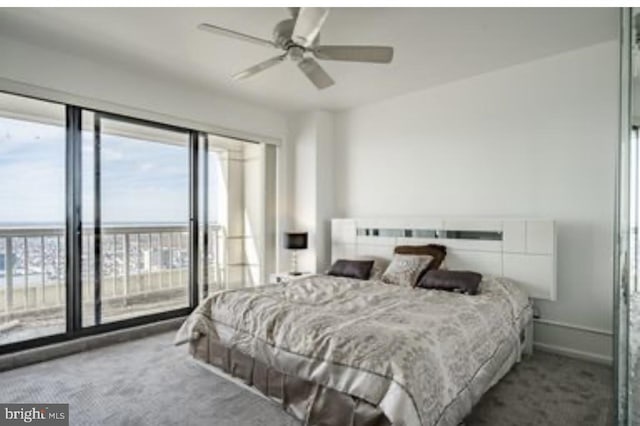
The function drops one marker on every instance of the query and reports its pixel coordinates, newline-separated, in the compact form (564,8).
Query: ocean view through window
(32,217)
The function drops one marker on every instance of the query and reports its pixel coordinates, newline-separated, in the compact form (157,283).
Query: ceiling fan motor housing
(282,35)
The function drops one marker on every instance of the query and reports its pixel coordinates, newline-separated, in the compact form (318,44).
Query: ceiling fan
(299,37)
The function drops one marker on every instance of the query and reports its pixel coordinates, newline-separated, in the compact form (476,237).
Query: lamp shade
(295,240)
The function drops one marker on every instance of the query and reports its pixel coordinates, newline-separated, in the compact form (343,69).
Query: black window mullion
(73,227)
(205,215)
(97,219)
(193,219)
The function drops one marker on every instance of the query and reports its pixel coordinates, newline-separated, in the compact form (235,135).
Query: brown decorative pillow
(437,251)
(456,281)
(359,269)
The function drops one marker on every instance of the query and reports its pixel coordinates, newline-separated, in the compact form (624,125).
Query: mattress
(365,351)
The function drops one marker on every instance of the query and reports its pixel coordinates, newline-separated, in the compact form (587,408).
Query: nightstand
(285,277)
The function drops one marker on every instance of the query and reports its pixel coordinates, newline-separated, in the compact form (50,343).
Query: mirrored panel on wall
(32,219)
(630,157)
(135,219)
(628,224)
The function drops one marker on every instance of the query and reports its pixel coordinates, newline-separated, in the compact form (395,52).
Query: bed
(340,351)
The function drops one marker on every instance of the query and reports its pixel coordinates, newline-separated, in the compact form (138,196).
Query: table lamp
(295,241)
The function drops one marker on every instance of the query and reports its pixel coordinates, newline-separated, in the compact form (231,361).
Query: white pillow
(405,269)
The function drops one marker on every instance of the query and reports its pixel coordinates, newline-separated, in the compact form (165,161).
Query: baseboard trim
(45,353)
(573,326)
(573,353)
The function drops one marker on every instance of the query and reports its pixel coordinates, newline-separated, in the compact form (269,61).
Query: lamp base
(294,264)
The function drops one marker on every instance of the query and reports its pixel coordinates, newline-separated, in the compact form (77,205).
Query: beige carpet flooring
(151,382)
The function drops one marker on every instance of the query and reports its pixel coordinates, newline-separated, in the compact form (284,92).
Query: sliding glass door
(32,219)
(136,218)
(109,221)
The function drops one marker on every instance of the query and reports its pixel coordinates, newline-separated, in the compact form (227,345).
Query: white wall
(310,141)
(303,185)
(325,189)
(533,140)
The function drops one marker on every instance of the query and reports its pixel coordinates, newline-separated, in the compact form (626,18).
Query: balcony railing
(143,267)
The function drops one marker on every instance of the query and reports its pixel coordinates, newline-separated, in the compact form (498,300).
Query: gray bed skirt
(311,403)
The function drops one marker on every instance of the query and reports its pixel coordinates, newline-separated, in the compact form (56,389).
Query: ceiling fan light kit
(299,38)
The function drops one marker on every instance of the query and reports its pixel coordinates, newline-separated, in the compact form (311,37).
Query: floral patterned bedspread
(423,356)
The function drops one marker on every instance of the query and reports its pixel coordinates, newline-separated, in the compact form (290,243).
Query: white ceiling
(432,46)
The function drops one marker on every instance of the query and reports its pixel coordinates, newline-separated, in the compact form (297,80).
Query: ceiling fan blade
(308,24)
(376,54)
(315,73)
(259,67)
(234,34)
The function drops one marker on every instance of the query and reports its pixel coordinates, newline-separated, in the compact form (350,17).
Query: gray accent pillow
(466,282)
(405,269)
(359,269)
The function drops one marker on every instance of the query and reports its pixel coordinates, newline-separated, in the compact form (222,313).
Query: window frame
(73,231)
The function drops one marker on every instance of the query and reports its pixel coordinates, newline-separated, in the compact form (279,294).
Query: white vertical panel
(482,262)
(377,250)
(540,237)
(375,241)
(514,236)
(472,245)
(535,273)
(343,251)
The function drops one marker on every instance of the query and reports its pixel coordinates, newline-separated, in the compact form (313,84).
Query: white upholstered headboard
(523,250)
